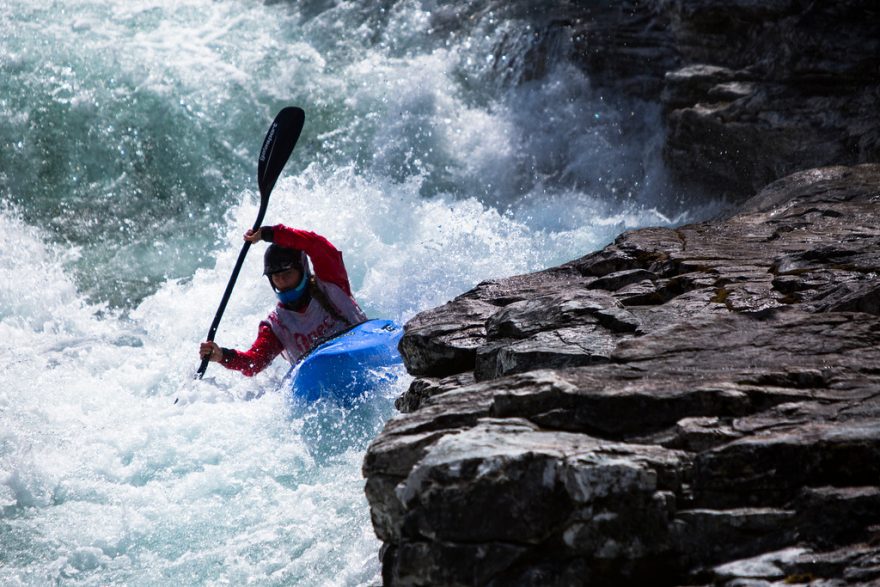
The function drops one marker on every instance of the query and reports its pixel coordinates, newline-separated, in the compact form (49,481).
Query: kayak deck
(344,367)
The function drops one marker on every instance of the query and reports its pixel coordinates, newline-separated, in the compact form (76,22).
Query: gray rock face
(753,91)
(687,406)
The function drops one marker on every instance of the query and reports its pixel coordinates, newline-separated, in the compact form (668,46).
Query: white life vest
(299,332)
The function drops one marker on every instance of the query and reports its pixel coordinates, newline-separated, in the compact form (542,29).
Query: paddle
(276,150)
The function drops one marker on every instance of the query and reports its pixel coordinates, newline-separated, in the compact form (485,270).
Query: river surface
(440,149)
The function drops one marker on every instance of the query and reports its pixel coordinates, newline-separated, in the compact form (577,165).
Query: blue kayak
(347,366)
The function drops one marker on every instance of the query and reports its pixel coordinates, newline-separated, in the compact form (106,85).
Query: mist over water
(436,154)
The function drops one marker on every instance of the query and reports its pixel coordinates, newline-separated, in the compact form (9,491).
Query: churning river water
(436,154)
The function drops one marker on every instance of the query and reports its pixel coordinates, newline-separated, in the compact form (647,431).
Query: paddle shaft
(226,294)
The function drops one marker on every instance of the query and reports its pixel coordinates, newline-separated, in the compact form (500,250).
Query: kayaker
(310,309)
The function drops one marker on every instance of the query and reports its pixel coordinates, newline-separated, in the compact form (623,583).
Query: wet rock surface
(690,406)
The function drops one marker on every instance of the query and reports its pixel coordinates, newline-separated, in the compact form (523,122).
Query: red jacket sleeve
(262,352)
(326,259)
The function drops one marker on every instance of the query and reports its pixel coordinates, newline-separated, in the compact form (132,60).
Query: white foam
(102,476)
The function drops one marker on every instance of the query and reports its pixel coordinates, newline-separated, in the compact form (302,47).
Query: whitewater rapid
(129,136)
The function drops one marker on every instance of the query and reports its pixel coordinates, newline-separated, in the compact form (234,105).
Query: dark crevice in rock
(795,379)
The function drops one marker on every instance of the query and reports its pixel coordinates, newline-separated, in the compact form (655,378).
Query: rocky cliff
(688,406)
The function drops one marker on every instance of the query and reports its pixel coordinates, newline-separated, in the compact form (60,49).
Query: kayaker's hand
(253,236)
(210,351)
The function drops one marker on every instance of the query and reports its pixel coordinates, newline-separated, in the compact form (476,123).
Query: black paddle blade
(277,147)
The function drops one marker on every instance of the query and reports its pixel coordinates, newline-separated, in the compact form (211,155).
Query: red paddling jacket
(328,309)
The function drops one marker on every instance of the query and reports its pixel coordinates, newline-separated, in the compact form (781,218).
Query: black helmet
(278,259)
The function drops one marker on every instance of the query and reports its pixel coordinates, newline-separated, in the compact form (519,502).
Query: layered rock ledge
(688,406)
